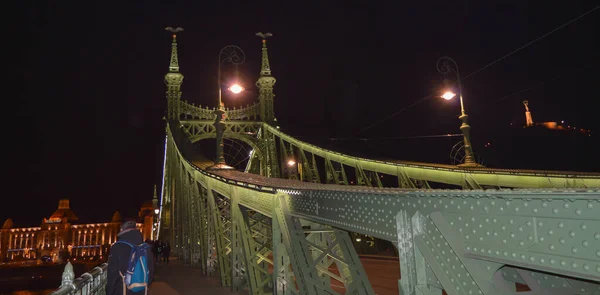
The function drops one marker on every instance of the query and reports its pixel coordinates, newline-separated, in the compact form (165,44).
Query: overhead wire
(535,40)
(536,85)
(484,67)
(394,114)
(395,138)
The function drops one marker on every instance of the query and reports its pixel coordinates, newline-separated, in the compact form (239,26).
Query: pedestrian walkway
(176,279)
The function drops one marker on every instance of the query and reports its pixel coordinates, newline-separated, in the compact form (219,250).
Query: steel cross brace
(256,252)
(312,252)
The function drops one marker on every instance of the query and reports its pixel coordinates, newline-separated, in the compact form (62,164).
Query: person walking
(155,251)
(166,252)
(159,250)
(118,260)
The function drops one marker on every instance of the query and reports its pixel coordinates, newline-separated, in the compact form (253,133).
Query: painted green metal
(265,84)
(470,241)
(283,274)
(448,174)
(256,125)
(271,163)
(222,227)
(173,80)
(238,235)
(257,241)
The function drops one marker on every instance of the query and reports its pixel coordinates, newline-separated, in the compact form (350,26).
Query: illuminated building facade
(61,237)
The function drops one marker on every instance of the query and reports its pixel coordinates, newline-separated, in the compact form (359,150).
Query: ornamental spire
(173,79)
(174,65)
(265,69)
(154,199)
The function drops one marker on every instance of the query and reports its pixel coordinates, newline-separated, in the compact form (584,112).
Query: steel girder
(251,132)
(469,178)
(270,163)
(478,242)
(256,233)
(246,131)
(192,112)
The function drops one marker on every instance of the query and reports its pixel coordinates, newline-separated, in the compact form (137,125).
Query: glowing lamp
(156,211)
(448,95)
(291,163)
(236,88)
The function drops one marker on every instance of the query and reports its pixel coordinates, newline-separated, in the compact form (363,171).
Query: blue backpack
(137,277)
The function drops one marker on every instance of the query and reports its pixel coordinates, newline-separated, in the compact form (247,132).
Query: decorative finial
(174,65)
(265,67)
(154,197)
(68,275)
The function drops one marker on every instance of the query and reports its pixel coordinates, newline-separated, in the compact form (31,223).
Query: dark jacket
(117,262)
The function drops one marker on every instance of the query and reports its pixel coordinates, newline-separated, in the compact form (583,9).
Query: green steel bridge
(272,230)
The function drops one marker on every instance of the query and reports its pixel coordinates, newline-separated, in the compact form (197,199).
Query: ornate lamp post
(234,55)
(446,65)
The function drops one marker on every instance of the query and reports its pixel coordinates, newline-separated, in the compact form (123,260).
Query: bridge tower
(270,164)
(265,83)
(173,79)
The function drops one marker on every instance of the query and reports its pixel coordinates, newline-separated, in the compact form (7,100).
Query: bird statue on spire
(264,36)
(174,31)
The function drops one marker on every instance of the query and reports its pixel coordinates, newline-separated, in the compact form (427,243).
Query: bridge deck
(176,279)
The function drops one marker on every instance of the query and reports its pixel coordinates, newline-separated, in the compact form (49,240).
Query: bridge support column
(283,275)
(203,230)
(187,230)
(239,266)
(270,164)
(417,277)
(253,164)
(175,212)
(209,250)
(219,213)
(430,257)
(256,238)
(197,215)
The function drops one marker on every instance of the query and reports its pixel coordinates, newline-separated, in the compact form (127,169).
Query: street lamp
(446,65)
(236,88)
(448,95)
(234,55)
(156,211)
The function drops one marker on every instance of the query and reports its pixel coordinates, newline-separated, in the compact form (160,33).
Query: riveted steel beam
(473,240)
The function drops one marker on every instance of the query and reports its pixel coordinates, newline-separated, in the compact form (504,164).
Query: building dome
(7,224)
(117,217)
(64,212)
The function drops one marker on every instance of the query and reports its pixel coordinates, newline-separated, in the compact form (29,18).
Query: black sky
(87,125)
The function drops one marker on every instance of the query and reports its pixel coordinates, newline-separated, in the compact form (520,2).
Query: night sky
(87,121)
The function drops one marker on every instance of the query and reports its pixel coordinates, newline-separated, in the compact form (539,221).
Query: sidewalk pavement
(175,278)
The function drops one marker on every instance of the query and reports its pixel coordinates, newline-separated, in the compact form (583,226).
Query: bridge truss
(284,236)
(275,230)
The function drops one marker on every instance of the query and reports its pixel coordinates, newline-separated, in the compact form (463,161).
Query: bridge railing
(89,283)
